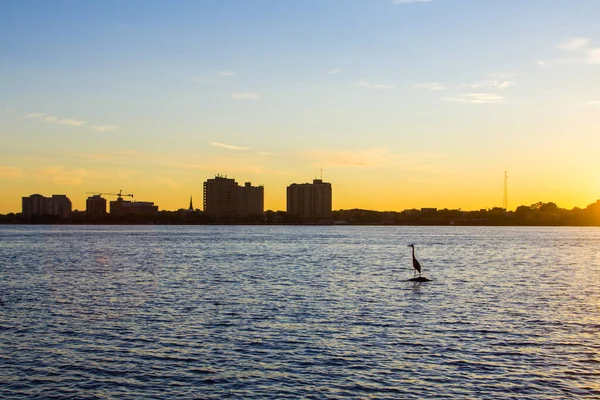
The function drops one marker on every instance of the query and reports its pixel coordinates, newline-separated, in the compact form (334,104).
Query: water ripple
(298,312)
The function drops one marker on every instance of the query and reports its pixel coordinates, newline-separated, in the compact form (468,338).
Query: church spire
(191,206)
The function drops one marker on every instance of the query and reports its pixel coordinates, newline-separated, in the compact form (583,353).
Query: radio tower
(505,200)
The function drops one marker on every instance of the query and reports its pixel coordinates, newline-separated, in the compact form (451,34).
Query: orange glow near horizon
(396,195)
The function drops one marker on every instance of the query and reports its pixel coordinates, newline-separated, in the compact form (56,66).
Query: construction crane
(119,195)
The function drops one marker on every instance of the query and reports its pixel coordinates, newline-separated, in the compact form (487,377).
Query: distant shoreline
(539,214)
(285,224)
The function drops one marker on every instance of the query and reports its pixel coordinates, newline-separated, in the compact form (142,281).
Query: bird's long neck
(413,253)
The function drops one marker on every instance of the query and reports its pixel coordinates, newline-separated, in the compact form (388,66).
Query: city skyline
(426,103)
(91,202)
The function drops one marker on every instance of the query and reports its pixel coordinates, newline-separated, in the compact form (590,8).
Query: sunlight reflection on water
(312,312)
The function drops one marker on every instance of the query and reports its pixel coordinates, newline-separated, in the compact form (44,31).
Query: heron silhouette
(416,264)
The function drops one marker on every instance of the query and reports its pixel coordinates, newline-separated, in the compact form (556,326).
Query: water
(298,312)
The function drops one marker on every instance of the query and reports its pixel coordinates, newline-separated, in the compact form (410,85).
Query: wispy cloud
(495,81)
(573,44)
(593,56)
(62,176)
(334,71)
(105,127)
(10,110)
(409,1)
(504,84)
(502,75)
(580,52)
(130,164)
(595,103)
(492,84)
(215,77)
(68,121)
(430,86)
(228,146)
(477,98)
(245,96)
(498,80)
(10,172)
(57,120)
(368,85)
(562,61)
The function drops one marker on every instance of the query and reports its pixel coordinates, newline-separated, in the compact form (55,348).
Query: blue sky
(426,101)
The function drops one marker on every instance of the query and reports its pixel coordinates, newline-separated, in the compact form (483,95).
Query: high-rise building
(252,199)
(95,206)
(60,205)
(36,204)
(310,200)
(223,197)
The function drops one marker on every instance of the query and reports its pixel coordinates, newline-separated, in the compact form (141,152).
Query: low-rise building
(124,207)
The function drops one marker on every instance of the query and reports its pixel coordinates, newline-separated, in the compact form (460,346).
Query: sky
(399,104)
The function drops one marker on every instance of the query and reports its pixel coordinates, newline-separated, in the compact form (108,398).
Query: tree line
(538,214)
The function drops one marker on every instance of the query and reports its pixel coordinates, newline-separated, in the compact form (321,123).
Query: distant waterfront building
(36,204)
(95,206)
(310,200)
(223,197)
(252,199)
(60,205)
(124,207)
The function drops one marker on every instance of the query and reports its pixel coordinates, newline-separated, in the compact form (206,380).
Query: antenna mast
(505,200)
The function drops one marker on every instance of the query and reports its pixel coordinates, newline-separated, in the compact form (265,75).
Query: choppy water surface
(298,312)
